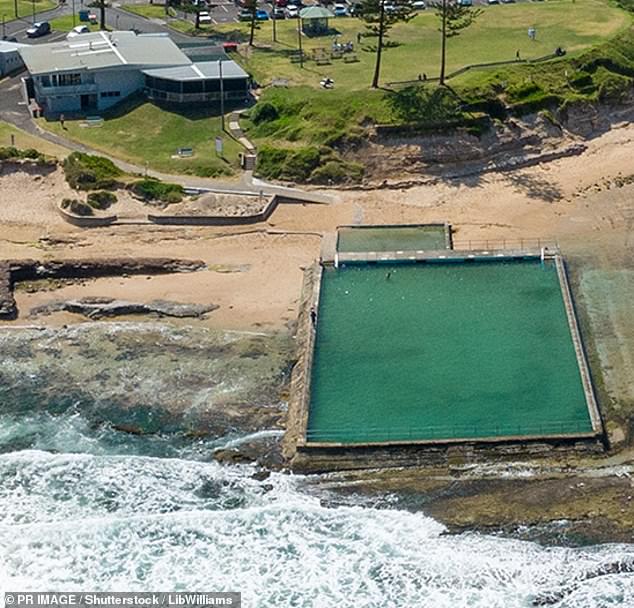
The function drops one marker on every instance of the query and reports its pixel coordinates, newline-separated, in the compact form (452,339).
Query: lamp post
(299,41)
(15,8)
(74,23)
(33,11)
(274,20)
(222,95)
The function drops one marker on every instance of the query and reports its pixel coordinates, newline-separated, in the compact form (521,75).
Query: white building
(10,60)
(92,72)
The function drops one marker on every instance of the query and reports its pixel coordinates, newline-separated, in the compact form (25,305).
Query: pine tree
(454,17)
(380,16)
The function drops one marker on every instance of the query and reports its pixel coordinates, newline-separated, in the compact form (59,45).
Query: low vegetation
(102,199)
(88,172)
(155,191)
(77,207)
(13,154)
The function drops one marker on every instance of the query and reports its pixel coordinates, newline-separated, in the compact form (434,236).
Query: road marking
(224,8)
(214,22)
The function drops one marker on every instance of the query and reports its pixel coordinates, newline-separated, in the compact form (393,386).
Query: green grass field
(143,133)
(499,32)
(149,11)
(24,140)
(25,8)
(65,24)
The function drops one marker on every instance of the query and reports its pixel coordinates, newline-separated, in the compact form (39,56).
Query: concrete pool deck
(299,411)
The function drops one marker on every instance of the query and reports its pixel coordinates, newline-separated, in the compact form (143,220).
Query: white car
(78,31)
(292,11)
(204,18)
(419,5)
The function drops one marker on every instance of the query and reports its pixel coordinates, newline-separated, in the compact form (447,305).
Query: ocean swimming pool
(424,352)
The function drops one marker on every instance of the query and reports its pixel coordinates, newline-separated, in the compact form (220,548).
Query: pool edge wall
(306,455)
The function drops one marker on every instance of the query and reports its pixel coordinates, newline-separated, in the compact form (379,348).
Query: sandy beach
(255,272)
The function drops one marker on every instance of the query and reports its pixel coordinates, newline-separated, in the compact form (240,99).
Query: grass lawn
(499,32)
(65,24)
(24,140)
(150,11)
(144,133)
(25,8)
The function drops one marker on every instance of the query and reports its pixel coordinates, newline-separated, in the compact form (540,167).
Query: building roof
(99,50)
(8,47)
(315,12)
(206,70)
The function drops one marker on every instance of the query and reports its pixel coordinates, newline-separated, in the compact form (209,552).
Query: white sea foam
(130,522)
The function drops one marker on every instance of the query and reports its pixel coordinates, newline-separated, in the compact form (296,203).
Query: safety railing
(447,432)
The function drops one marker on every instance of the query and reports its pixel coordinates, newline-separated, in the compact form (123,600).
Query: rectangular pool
(359,239)
(416,352)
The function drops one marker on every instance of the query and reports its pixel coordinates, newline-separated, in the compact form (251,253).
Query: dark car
(245,15)
(41,28)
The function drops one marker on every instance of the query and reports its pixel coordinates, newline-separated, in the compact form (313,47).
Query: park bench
(93,121)
(350,58)
(185,152)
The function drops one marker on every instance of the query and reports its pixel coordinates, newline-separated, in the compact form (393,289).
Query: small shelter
(315,20)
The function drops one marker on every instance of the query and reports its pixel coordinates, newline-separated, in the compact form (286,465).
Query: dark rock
(232,456)
(98,307)
(261,475)
(8,308)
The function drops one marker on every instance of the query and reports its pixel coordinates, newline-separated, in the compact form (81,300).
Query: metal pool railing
(426,433)
(506,244)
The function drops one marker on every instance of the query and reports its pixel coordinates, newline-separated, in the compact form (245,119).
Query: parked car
(292,11)
(41,28)
(493,1)
(278,13)
(340,10)
(419,5)
(465,2)
(204,18)
(245,15)
(78,31)
(261,15)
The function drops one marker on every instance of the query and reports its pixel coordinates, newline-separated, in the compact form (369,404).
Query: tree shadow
(534,186)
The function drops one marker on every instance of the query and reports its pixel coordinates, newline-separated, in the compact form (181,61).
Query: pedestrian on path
(61,121)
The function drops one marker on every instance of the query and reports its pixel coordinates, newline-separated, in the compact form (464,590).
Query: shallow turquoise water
(443,351)
(402,238)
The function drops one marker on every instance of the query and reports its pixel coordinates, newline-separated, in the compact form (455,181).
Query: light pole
(274,19)
(33,11)
(299,41)
(74,14)
(222,96)
(15,8)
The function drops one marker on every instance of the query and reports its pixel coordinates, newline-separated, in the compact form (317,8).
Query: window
(110,93)
(68,80)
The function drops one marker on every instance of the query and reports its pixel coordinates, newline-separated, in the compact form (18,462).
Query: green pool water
(391,238)
(439,351)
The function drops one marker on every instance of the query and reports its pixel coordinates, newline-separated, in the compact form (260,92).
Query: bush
(155,190)
(264,111)
(101,199)
(12,153)
(72,205)
(87,172)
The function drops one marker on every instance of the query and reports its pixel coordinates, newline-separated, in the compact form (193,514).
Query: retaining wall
(86,221)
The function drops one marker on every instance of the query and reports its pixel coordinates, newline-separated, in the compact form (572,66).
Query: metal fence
(431,433)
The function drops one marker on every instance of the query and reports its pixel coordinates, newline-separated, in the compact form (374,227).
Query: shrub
(154,190)
(101,199)
(13,153)
(87,172)
(77,207)
(264,111)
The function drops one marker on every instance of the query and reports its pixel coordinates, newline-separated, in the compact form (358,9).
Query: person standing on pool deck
(388,275)
(313,316)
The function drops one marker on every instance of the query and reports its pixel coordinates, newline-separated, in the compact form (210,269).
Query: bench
(185,152)
(350,58)
(93,121)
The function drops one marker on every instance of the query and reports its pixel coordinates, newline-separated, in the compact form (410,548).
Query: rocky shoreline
(13,271)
